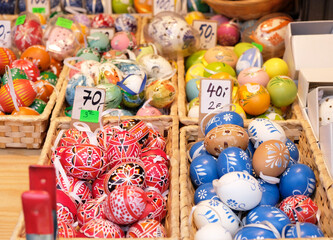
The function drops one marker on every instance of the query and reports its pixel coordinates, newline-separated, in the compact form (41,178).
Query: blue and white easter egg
(250,149)
(78,79)
(261,130)
(227,117)
(94,6)
(268,213)
(212,231)
(197,149)
(126,23)
(299,179)
(307,230)
(293,151)
(233,159)
(205,192)
(250,58)
(270,193)
(238,190)
(203,170)
(215,211)
(192,89)
(255,231)
(128,67)
(120,113)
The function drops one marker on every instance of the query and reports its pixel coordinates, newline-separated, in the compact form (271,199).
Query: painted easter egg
(221,54)
(102,21)
(109,73)
(44,90)
(157,176)
(143,6)
(205,192)
(24,111)
(78,79)
(38,55)
(101,228)
(148,111)
(203,169)
(148,228)
(283,91)
(155,140)
(55,66)
(66,209)
(38,105)
(113,95)
(304,230)
(227,117)
(28,67)
(106,134)
(66,230)
(98,186)
(162,93)
(228,34)
(16,73)
(195,71)
(99,41)
(156,207)
(6,58)
(126,23)
(270,193)
(293,152)
(218,67)
(92,209)
(250,58)
(89,54)
(156,66)
(50,77)
(123,40)
(253,75)
(137,128)
(255,231)
(88,67)
(154,152)
(27,34)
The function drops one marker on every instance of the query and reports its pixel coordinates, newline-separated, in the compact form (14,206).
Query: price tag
(208,32)
(108,31)
(163,5)
(20,20)
(88,105)
(38,6)
(5,37)
(64,22)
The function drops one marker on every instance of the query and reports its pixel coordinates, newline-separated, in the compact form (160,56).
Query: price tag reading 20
(215,93)
(208,32)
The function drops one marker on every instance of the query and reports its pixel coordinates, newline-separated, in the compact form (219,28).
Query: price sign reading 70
(208,32)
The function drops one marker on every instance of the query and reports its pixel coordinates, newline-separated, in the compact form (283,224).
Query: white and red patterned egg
(148,228)
(88,67)
(92,209)
(66,209)
(155,139)
(156,207)
(123,145)
(28,67)
(129,173)
(27,34)
(84,161)
(154,152)
(98,186)
(102,21)
(105,135)
(137,128)
(66,230)
(157,176)
(125,205)
(73,136)
(101,228)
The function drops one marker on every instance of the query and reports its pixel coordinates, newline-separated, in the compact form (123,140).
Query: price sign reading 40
(5,38)
(163,5)
(208,32)
(38,6)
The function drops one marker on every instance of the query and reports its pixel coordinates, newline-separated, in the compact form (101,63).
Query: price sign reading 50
(208,32)
(163,5)
(5,39)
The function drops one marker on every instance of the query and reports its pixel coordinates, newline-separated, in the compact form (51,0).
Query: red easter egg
(125,205)
(155,140)
(28,67)
(24,111)
(55,66)
(102,21)
(300,208)
(66,230)
(44,90)
(137,128)
(92,209)
(73,136)
(6,58)
(148,228)
(157,176)
(228,34)
(101,228)
(98,186)
(25,92)
(66,209)
(154,152)
(129,173)
(84,161)
(156,207)
(38,55)
(105,135)
(27,34)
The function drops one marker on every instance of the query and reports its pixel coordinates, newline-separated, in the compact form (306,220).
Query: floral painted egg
(38,55)
(215,211)
(125,205)
(99,41)
(154,152)
(299,179)
(109,73)
(121,146)
(238,190)
(113,95)
(78,79)
(148,228)
(205,192)
(126,23)
(66,230)
(88,67)
(92,209)
(102,21)
(227,117)
(44,90)
(72,137)
(137,128)
(6,58)
(89,54)
(84,161)
(257,231)
(303,230)
(270,193)
(224,136)
(66,209)
(293,152)
(24,111)
(250,58)
(98,186)
(268,213)
(203,169)
(27,34)
(132,88)
(106,134)
(25,92)
(55,66)
(28,67)
(128,173)
(261,130)
(101,228)
(253,75)
(123,40)
(155,140)
(162,93)
(16,73)
(157,176)
(221,54)
(254,98)
(38,105)
(156,207)
(148,111)
(50,77)
(300,208)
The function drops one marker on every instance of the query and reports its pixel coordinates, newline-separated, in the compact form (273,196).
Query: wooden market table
(14,180)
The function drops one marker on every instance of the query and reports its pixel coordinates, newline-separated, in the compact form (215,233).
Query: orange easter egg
(55,66)
(44,90)
(38,55)
(143,6)
(24,111)
(6,58)
(2,113)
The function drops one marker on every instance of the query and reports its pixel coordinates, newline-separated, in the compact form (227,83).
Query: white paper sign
(38,6)
(208,32)
(5,37)
(108,31)
(163,5)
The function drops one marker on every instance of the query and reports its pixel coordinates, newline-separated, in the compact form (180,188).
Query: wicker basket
(29,131)
(247,9)
(309,155)
(168,127)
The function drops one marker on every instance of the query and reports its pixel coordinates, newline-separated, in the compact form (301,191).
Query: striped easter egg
(25,92)
(6,58)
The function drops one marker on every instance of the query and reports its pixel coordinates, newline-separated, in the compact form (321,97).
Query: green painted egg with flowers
(49,77)
(38,105)
(16,74)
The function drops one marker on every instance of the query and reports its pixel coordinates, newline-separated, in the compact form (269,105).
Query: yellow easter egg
(195,71)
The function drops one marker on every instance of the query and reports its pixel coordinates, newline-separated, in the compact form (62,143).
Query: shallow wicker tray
(309,155)
(169,128)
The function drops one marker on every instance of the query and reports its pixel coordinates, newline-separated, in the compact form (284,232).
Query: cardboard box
(308,45)
(326,143)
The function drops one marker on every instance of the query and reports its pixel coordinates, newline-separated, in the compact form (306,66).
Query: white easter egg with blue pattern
(250,58)
(212,231)
(79,79)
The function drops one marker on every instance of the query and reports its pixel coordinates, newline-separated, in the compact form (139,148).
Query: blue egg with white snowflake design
(94,6)
(299,179)
(268,213)
(215,211)
(293,151)
(78,79)
(126,23)
(228,117)
(270,193)
(261,130)
(205,192)
(307,230)
(192,89)
(233,159)
(256,231)
(250,58)
(203,170)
